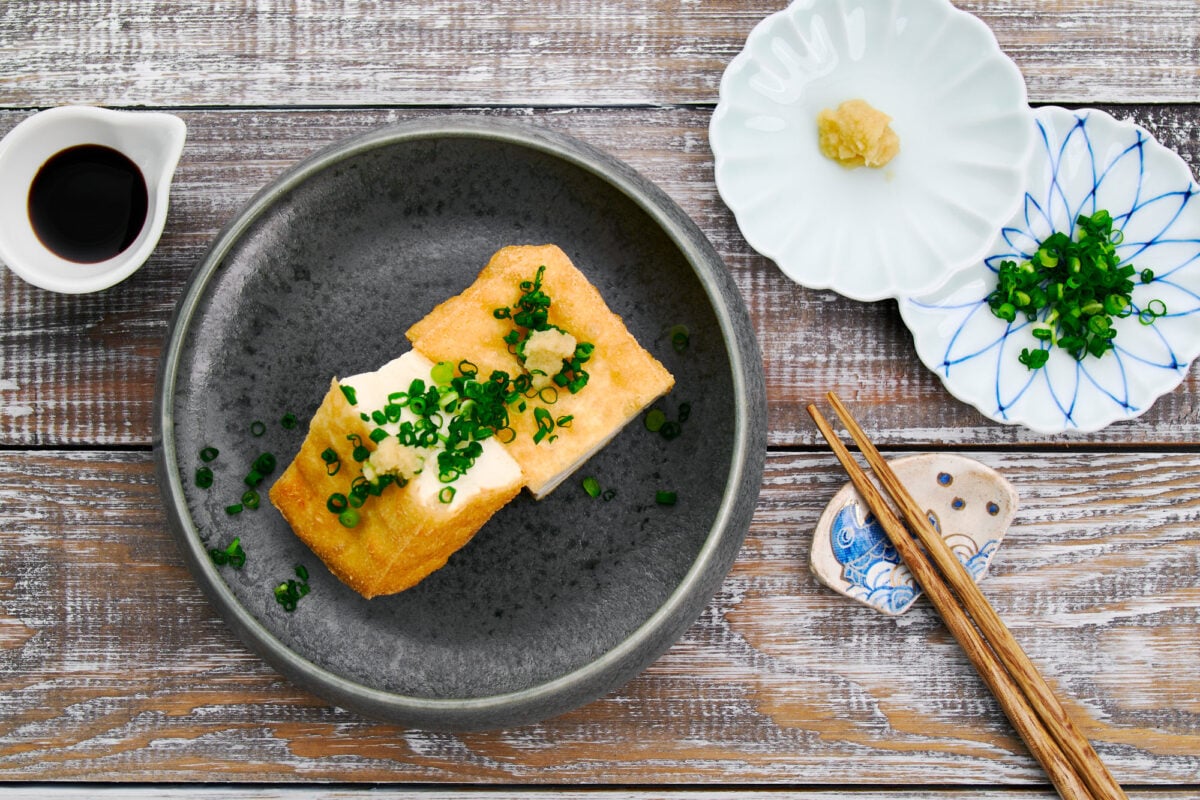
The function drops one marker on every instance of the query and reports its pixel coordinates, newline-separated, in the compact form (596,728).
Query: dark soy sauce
(88,203)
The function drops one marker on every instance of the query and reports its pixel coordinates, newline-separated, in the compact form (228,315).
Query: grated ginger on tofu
(545,352)
(393,458)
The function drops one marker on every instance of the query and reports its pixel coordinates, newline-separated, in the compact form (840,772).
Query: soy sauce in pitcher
(88,203)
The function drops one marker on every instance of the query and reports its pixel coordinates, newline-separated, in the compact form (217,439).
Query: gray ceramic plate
(553,603)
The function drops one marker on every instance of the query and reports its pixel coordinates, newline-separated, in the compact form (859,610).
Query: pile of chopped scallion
(1071,290)
(531,313)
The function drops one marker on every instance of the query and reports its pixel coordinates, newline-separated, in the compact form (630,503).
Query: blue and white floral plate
(957,103)
(1085,160)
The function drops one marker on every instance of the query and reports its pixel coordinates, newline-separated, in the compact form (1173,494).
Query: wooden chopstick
(1055,718)
(1008,694)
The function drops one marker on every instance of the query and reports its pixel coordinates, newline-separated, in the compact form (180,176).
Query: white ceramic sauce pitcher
(151,140)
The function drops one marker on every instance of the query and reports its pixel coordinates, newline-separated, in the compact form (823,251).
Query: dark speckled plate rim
(685,602)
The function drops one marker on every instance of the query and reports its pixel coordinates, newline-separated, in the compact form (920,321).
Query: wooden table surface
(114,668)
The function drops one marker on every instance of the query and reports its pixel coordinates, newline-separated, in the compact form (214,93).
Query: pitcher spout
(162,137)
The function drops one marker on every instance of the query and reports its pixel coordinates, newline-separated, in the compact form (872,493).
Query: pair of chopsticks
(1068,758)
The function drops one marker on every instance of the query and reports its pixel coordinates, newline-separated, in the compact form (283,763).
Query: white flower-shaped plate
(957,103)
(1084,161)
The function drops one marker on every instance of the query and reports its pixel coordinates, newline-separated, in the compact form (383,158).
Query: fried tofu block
(623,377)
(406,532)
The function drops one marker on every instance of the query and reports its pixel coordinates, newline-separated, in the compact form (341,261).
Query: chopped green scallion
(442,372)
(680,338)
(288,593)
(204,477)
(1153,310)
(233,555)
(545,424)
(1034,359)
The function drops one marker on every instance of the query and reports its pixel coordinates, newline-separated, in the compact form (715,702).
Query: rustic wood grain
(101,351)
(523,52)
(194,792)
(113,667)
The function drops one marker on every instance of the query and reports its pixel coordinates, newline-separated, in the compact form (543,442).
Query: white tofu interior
(493,469)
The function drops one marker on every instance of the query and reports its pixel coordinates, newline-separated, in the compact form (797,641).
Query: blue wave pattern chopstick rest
(969,504)
(1085,161)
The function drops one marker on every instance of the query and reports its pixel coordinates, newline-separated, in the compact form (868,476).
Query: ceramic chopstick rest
(969,503)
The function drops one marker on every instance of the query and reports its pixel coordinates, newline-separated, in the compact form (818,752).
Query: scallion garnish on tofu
(552,357)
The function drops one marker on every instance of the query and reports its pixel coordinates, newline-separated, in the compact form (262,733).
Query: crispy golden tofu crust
(624,377)
(399,539)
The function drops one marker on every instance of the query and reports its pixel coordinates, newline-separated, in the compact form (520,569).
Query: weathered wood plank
(193,792)
(81,369)
(556,52)
(113,667)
